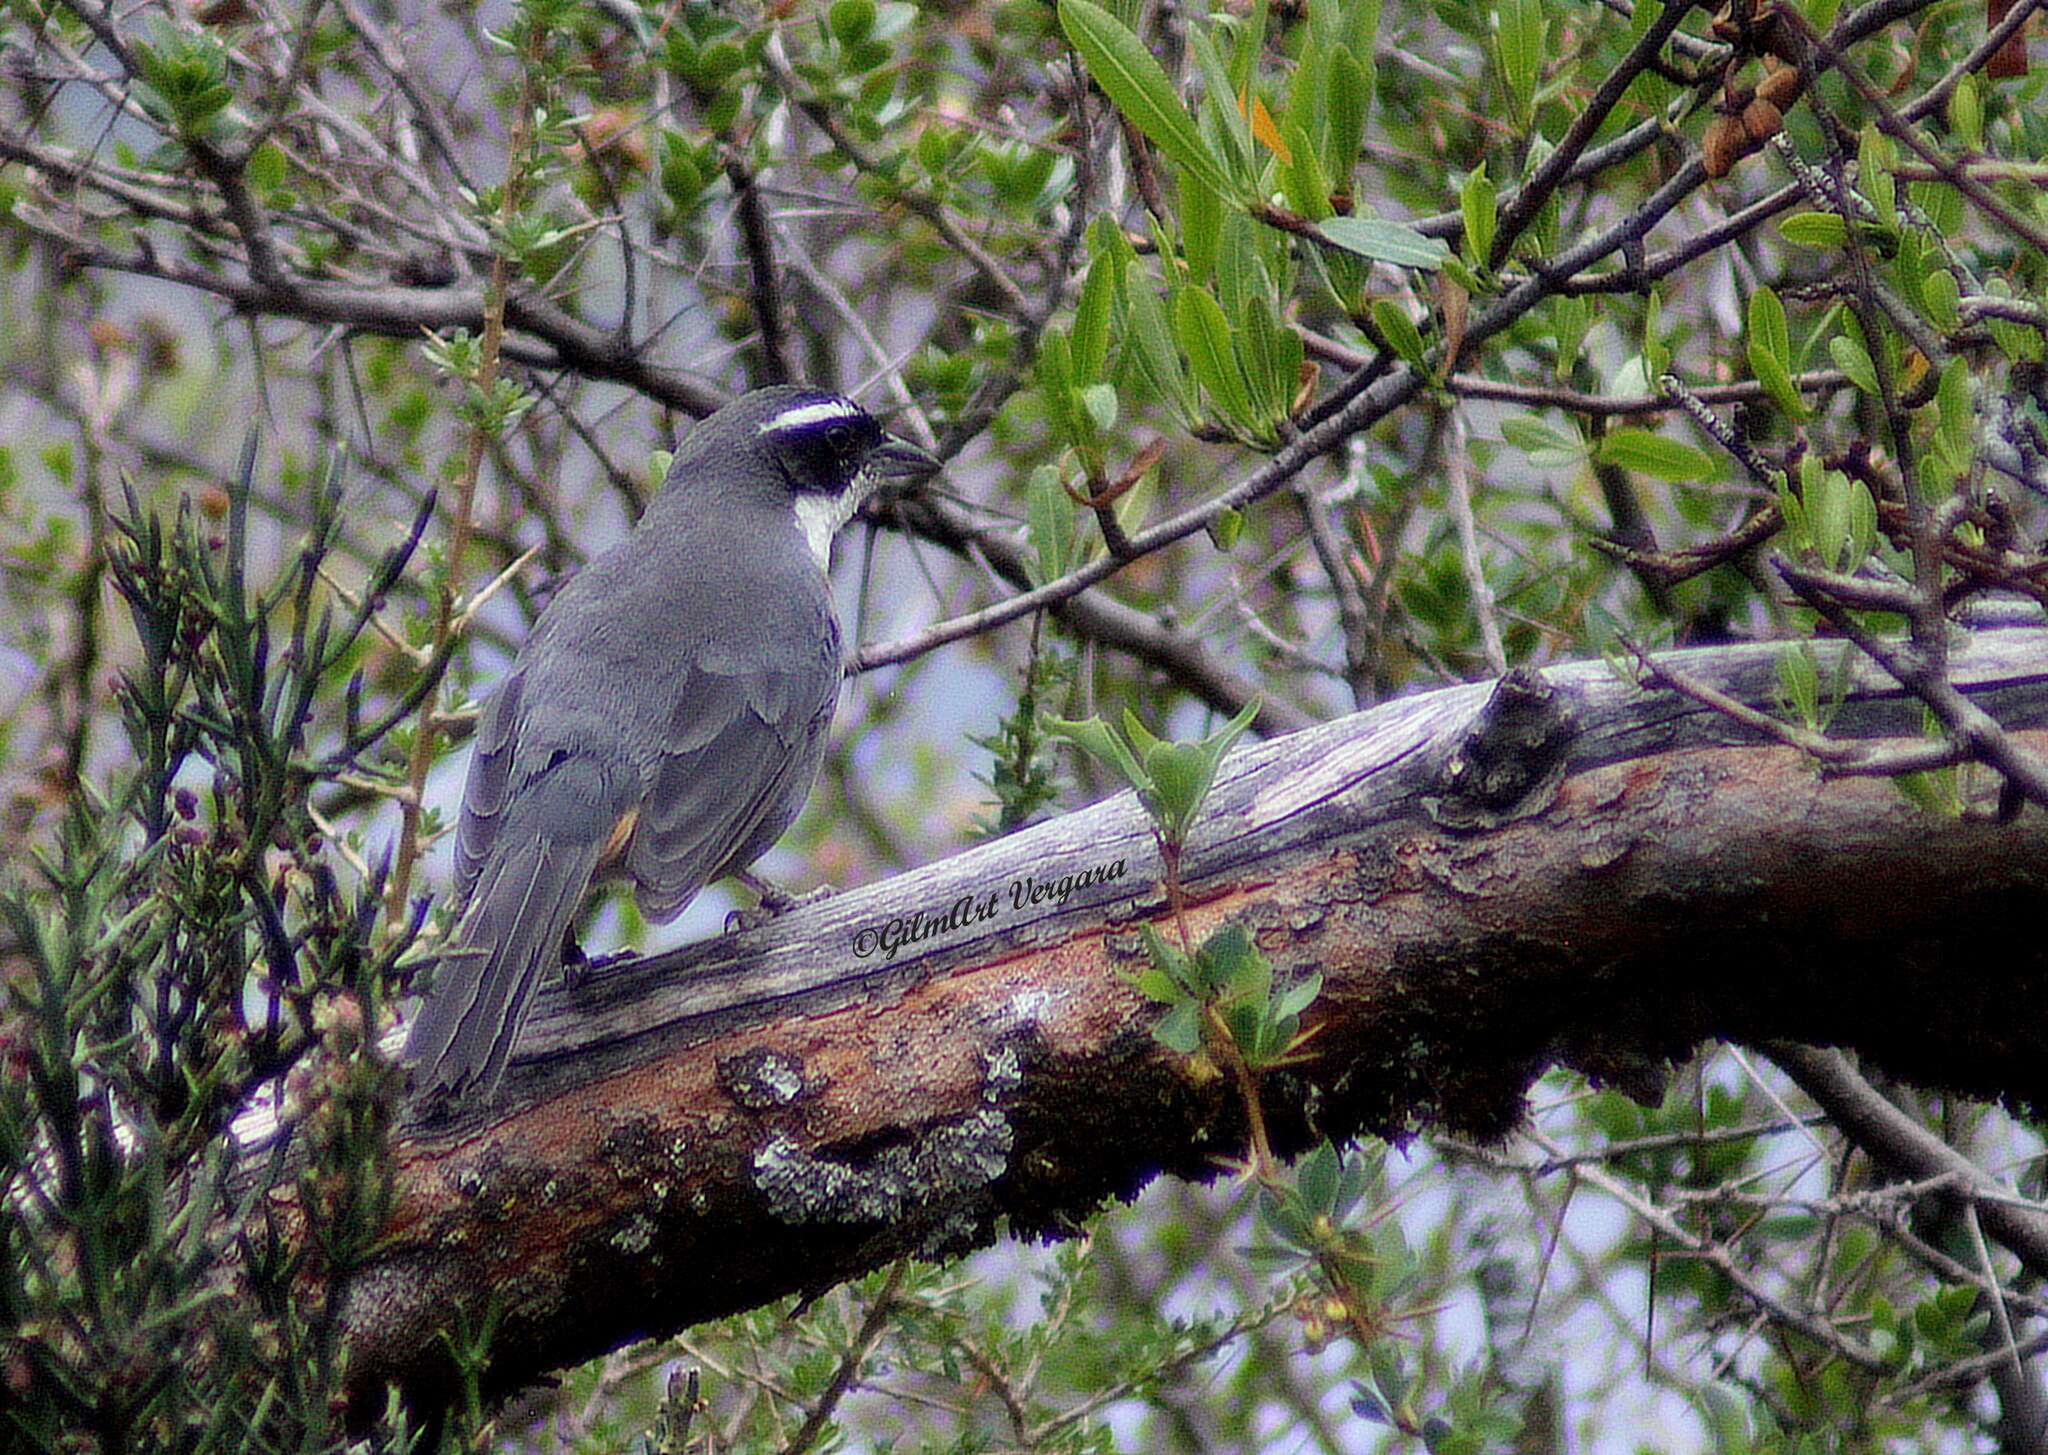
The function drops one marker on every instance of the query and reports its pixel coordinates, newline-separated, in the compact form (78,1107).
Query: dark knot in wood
(1508,763)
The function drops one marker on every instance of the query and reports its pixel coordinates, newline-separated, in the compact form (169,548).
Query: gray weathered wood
(1489,879)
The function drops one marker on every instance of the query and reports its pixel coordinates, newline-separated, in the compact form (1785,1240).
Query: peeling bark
(1560,868)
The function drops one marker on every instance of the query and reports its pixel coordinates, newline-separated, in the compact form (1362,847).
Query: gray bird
(665,718)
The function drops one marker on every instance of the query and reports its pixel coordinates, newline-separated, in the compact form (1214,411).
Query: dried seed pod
(1761,121)
(1781,84)
(1721,147)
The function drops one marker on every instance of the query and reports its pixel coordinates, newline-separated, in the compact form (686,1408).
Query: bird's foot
(771,903)
(578,966)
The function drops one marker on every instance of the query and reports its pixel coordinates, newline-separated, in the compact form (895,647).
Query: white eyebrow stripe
(805,414)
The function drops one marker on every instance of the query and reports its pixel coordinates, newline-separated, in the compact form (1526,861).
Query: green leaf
(1251,39)
(1399,330)
(1347,97)
(1096,738)
(1482,215)
(1958,427)
(1966,114)
(1303,181)
(1656,353)
(1547,447)
(1815,229)
(1151,346)
(1520,28)
(1099,400)
(1055,379)
(851,21)
(1180,1029)
(1654,455)
(1826,497)
(1570,318)
(1201,224)
(1940,296)
(1769,345)
(1385,242)
(1090,337)
(1225,128)
(1138,86)
(1205,339)
(1799,681)
(1051,523)
(1854,360)
(1874,159)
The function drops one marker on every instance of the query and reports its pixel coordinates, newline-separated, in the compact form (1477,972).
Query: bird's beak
(895,459)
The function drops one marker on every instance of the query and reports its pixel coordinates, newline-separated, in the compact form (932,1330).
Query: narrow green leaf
(1138,86)
(1090,345)
(1201,222)
(1570,318)
(1481,208)
(1303,181)
(1827,514)
(1769,345)
(1258,360)
(1055,379)
(1205,338)
(1386,242)
(1958,427)
(1874,179)
(1519,33)
(1966,114)
(1251,39)
(1799,681)
(1656,353)
(1051,524)
(1152,348)
(1399,330)
(1227,129)
(1347,97)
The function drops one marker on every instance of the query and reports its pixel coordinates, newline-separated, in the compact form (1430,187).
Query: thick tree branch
(1489,879)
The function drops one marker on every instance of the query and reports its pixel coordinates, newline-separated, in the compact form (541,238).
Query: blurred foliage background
(1293,352)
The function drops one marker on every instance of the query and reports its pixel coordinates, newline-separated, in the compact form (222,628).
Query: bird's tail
(522,906)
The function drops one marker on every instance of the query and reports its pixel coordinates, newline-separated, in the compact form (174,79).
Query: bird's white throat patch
(804,415)
(821,516)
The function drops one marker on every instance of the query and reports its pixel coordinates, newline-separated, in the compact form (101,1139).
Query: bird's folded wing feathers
(742,755)
(489,784)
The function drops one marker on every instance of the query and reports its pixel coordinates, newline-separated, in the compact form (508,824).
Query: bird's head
(819,450)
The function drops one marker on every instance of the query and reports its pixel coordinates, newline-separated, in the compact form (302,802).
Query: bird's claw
(773,904)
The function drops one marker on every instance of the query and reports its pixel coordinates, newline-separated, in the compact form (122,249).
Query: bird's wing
(737,762)
(489,785)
